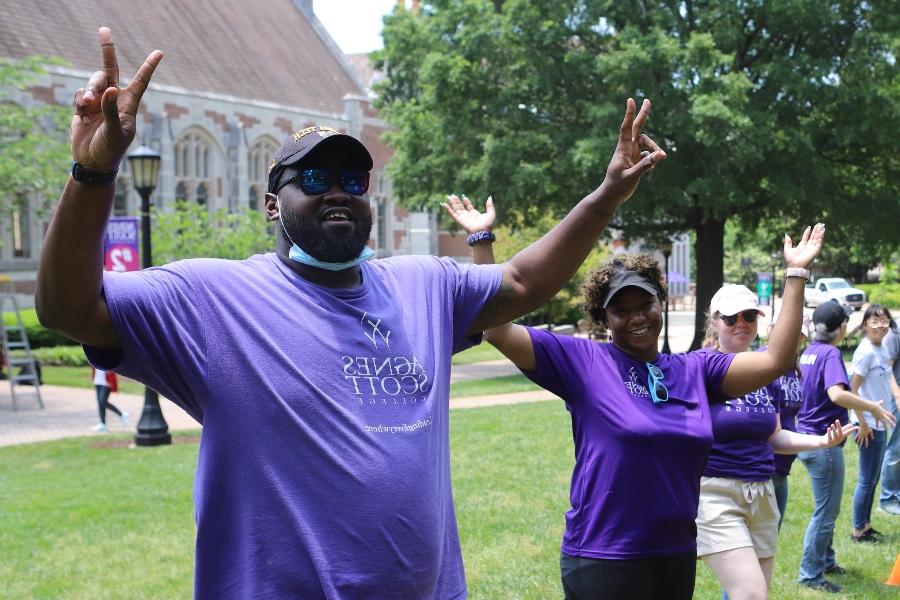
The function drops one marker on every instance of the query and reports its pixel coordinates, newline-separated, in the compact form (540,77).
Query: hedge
(38,335)
(59,356)
(887,294)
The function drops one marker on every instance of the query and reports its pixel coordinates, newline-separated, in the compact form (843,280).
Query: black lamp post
(152,429)
(666,248)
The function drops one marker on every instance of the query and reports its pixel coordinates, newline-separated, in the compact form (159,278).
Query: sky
(354,24)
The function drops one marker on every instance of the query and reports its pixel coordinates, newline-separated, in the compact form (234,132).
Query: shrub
(59,356)
(38,335)
(887,294)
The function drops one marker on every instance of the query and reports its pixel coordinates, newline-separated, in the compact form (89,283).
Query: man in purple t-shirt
(321,380)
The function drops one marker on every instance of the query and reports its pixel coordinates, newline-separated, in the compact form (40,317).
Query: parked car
(833,288)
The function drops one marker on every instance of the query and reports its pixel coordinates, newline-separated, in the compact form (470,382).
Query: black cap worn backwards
(299,144)
(832,314)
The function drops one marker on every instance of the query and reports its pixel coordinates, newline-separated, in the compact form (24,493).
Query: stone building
(237,78)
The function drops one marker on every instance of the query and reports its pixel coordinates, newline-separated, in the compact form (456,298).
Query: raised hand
(837,433)
(803,254)
(467,216)
(635,155)
(105,115)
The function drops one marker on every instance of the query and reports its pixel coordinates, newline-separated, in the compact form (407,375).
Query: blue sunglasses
(658,390)
(315,181)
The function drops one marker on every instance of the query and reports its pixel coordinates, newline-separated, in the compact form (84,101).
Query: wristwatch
(84,175)
(797,272)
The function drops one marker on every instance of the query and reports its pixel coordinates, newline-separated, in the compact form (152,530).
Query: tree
(565,306)
(34,150)
(191,232)
(777,112)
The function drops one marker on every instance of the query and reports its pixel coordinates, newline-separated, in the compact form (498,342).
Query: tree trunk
(709,251)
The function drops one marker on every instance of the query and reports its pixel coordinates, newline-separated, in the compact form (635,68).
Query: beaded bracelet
(481,236)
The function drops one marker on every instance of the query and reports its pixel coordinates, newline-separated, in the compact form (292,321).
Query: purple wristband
(480,236)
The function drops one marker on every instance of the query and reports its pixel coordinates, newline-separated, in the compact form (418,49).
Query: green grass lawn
(497,385)
(480,353)
(80,521)
(80,377)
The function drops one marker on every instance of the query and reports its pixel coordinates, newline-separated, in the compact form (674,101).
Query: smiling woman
(740,501)
(640,418)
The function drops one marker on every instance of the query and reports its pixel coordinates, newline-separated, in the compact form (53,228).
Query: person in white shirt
(105,383)
(871,379)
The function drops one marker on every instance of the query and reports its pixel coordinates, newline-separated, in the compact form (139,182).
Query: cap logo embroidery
(322,131)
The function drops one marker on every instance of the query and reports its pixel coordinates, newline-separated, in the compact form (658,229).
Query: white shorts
(737,514)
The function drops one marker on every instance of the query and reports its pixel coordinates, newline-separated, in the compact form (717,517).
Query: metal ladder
(16,338)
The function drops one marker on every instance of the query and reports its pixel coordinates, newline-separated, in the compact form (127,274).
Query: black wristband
(92,178)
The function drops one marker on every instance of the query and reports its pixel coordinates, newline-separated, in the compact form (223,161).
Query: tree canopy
(771,112)
(34,150)
(190,231)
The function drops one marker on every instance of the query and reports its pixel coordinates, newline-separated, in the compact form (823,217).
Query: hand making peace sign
(635,154)
(105,115)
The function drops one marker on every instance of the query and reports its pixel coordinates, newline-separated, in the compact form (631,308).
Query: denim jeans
(890,468)
(869,470)
(826,472)
(780,483)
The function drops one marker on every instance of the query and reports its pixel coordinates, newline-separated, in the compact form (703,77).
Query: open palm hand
(467,216)
(806,250)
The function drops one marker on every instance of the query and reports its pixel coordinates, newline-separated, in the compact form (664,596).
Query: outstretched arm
(791,442)
(844,397)
(536,273)
(865,433)
(69,296)
(512,340)
(751,370)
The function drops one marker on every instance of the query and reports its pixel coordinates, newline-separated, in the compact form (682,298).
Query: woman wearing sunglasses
(737,518)
(872,379)
(640,419)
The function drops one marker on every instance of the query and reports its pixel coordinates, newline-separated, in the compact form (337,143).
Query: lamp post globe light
(152,429)
(666,248)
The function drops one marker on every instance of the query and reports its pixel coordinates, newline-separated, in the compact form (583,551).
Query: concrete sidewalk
(71,412)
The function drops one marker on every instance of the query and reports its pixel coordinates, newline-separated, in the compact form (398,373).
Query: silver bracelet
(797,272)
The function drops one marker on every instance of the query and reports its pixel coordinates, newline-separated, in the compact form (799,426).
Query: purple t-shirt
(822,367)
(324,468)
(741,430)
(790,398)
(636,481)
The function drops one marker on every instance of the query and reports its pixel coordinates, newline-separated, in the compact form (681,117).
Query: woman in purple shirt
(737,520)
(640,419)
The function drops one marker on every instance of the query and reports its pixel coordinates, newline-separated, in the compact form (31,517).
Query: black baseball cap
(832,314)
(624,279)
(300,144)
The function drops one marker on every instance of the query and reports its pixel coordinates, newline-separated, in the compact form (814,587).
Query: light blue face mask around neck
(297,254)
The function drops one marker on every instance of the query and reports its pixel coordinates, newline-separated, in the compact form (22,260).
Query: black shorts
(659,578)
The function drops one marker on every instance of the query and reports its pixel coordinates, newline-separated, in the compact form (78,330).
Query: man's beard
(319,243)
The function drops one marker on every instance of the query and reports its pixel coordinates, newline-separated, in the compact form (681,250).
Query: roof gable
(266,50)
